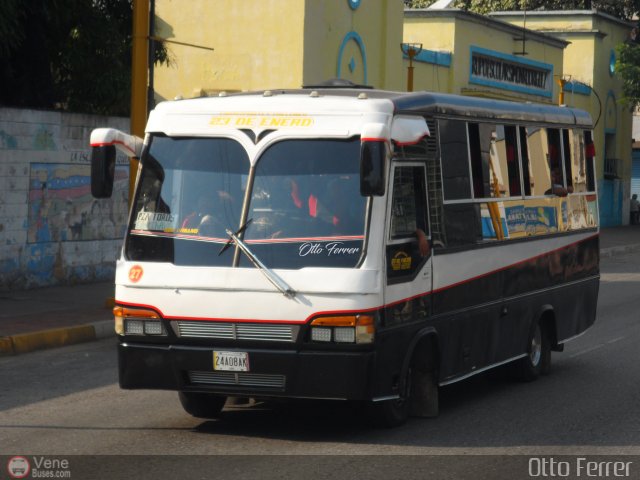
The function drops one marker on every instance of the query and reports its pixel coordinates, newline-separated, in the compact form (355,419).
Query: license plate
(231,361)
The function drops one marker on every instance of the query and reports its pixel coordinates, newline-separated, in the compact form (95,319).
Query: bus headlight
(321,334)
(344,335)
(343,329)
(137,321)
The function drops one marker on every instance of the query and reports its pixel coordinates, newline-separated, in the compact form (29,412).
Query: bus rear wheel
(202,405)
(538,359)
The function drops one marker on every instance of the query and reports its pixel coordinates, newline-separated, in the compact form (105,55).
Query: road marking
(619,277)
(596,347)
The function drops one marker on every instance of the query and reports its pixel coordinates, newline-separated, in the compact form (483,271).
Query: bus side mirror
(103,165)
(373,155)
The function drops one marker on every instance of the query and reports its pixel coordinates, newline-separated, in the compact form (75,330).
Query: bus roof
(338,101)
(445,104)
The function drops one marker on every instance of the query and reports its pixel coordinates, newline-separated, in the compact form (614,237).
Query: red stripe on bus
(106,144)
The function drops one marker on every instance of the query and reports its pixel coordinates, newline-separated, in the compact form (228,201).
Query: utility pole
(139,80)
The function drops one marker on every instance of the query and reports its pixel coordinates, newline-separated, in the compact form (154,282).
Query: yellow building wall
(434,35)
(253,47)
(369,35)
(456,33)
(268,44)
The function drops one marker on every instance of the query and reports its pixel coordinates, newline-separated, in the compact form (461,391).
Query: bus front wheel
(202,405)
(392,413)
(538,358)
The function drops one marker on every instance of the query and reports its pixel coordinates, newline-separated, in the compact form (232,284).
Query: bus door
(407,247)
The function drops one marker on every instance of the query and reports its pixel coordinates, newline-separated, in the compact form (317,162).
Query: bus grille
(237,378)
(238,331)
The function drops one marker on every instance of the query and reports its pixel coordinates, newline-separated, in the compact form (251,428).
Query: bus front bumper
(272,373)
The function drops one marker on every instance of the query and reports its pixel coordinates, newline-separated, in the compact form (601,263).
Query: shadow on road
(489,410)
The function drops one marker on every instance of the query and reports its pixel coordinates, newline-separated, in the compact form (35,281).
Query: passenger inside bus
(328,204)
(208,218)
(557,184)
(204,206)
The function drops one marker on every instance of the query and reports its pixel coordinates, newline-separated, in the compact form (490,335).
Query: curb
(56,337)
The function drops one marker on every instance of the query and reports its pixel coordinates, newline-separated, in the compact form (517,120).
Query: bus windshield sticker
(401,261)
(158,222)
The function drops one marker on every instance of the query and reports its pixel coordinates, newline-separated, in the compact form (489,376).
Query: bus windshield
(305,207)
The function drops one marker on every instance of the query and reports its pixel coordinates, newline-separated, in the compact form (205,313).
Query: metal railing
(611,167)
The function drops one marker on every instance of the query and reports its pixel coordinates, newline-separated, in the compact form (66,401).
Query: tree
(24,56)
(68,54)
(624,9)
(628,67)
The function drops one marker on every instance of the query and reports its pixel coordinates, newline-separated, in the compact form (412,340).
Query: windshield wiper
(276,281)
(238,232)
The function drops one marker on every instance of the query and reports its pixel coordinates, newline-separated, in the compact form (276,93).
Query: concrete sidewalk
(56,316)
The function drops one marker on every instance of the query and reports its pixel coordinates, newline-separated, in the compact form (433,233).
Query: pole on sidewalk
(139,80)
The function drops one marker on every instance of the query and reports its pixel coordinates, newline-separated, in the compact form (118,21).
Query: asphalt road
(66,402)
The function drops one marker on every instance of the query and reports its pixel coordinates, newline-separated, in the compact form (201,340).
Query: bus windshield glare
(305,207)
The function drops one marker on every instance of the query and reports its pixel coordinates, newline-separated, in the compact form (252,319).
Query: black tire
(202,405)
(392,413)
(538,359)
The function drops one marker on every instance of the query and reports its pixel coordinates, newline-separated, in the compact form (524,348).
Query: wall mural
(61,207)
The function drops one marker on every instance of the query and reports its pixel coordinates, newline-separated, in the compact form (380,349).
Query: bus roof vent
(314,94)
(362,96)
(222,94)
(267,93)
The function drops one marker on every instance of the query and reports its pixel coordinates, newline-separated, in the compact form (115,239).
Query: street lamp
(410,50)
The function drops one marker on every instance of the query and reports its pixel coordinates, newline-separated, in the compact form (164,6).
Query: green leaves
(624,9)
(628,68)
(68,54)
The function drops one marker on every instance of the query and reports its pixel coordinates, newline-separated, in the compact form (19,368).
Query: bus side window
(524,156)
(538,148)
(481,138)
(589,154)
(578,163)
(456,184)
(567,151)
(506,147)
(554,160)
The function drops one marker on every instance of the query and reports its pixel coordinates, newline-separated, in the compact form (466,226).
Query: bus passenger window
(481,139)
(456,184)
(554,159)
(578,163)
(539,155)
(566,150)
(498,164)
(589,154)
(524,155)
(505,161)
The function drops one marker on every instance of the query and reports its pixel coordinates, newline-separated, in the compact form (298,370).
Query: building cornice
(487,21)
(565,13)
